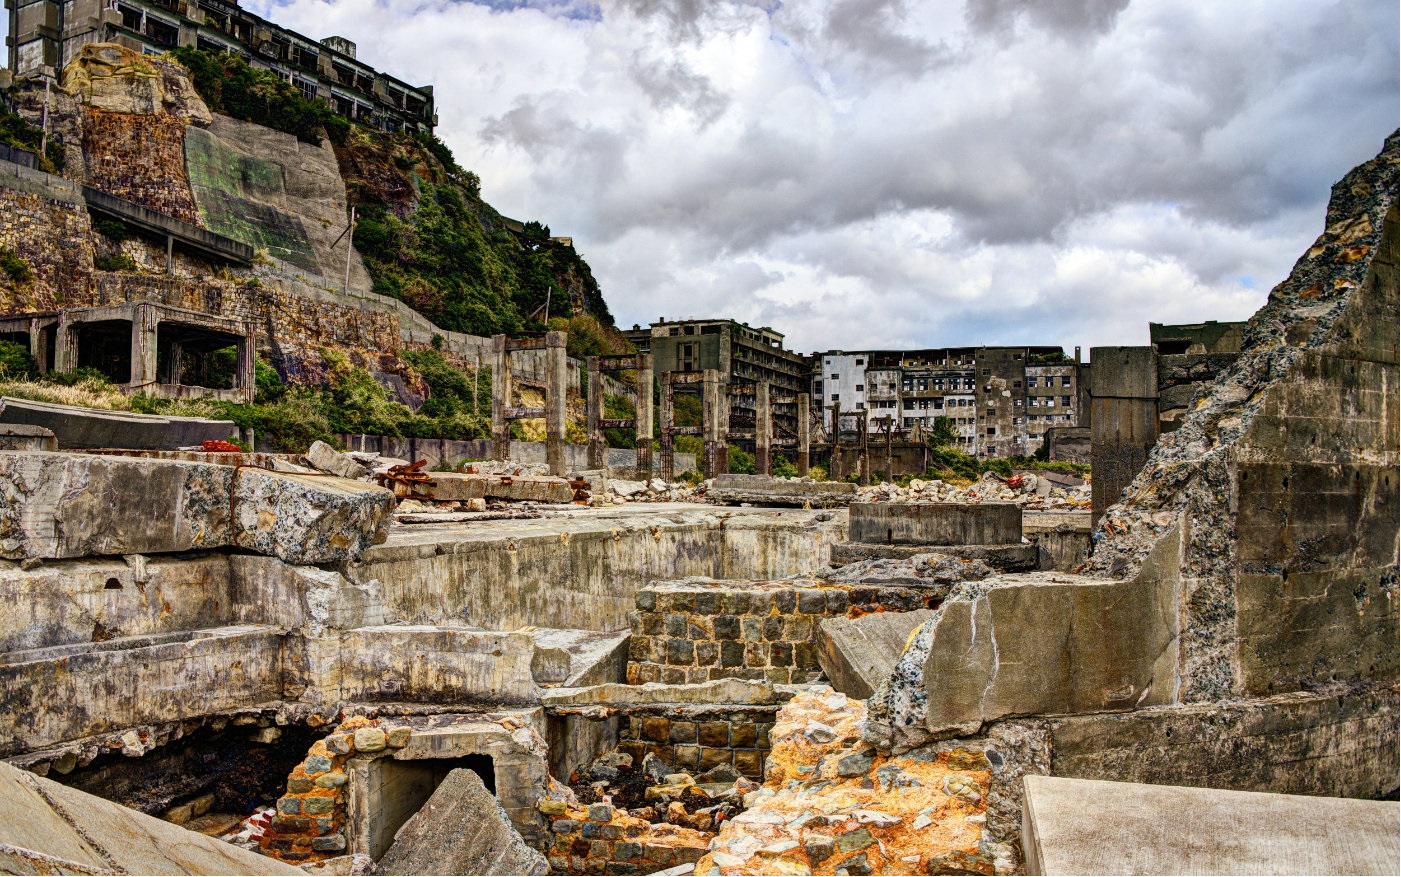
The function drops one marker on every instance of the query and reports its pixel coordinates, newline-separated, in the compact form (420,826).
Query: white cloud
(900,172)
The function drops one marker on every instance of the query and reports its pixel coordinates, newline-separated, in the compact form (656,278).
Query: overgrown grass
(230,86)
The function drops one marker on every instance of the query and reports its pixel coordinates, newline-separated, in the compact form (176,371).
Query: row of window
(1050,380)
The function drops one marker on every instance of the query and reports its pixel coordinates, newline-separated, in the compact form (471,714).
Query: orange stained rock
(901,813)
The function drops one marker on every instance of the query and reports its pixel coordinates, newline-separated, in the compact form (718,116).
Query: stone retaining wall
(695,739)
(701,629)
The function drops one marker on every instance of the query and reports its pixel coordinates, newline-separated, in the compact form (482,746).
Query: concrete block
(726,691)
(1003,558)
(461,830)
(26,437)
(857,654)
(764,490)
(936,523)
(328,459)
(1073,826)
(1049,645)
(76,505)
(306,519)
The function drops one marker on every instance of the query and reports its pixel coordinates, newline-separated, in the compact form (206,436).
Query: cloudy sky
(885,173)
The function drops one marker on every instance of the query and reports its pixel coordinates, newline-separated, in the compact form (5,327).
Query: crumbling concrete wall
(585,573)
(1249,576)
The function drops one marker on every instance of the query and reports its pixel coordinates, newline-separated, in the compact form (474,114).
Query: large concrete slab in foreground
(48,828)
(1094,827)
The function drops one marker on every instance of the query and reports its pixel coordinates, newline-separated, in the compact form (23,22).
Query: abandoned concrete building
(244,662)
(744,356)
(1001,399)
(44,36)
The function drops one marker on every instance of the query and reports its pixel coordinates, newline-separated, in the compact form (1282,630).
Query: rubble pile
(832,804)
(1028,490)
(624,818)
(621,492)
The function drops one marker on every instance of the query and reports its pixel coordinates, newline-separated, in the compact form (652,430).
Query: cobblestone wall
(601,840)
(694,740)
(52,235)
(140,158)
(700,629)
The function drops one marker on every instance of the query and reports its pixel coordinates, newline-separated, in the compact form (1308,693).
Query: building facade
(44,35)
(743,354)
(999,400)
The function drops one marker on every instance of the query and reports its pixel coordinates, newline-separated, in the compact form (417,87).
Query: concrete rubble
(460,830)
(504,677)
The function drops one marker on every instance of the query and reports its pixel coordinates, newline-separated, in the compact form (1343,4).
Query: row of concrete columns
(714,431)
(556,390)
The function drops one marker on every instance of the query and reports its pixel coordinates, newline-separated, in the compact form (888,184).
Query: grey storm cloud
(867,172)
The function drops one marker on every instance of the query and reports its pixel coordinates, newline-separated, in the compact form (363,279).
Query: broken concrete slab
(63,505)
(766,490)
(78,427)
(26,437)
(857,654)
(306,519)
(48,828)
(59,505)
(1093,827)
(936,523)
(459,487)
(328,459)
(460,830)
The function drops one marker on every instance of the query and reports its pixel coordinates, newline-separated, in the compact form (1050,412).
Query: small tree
(941,433)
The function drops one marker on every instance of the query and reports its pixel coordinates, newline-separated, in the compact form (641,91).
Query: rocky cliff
(137,127)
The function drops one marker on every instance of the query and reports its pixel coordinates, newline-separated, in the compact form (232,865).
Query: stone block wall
(311,816)
(701,629)
(696,739)
(140,158)
(601,840)
(47,227)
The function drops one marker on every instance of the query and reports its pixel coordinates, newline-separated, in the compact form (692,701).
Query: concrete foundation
(1091,827)
(936,523)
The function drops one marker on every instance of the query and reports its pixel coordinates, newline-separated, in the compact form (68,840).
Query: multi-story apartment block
(743,354)
(45,35)
(1000,400)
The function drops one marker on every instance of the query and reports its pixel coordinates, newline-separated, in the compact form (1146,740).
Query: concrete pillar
(863,465)
(644,415)
(668,460)
(143,346)
(804,435)
(763,430)
(247,368)
(834,464)
(1123,422)
(716,405)
(556,395)
(598,448)
(500,398)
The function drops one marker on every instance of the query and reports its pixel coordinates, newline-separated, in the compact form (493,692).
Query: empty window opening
(105,345)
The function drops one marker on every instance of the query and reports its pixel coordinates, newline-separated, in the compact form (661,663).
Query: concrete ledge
(77,427)
(1094,827)
(1005,558)
(765,490)
(936,523)
(720,691)
(857,654)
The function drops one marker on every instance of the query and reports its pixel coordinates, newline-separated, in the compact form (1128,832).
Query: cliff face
(135,127)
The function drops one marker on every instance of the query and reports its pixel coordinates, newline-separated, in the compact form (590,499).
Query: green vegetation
(741,462)
(112,229)
(784,467)
(429,240)
(16,132)
(941,433)
(15,361)
(115,262)
(953,465)
(14,267)
(230,86)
